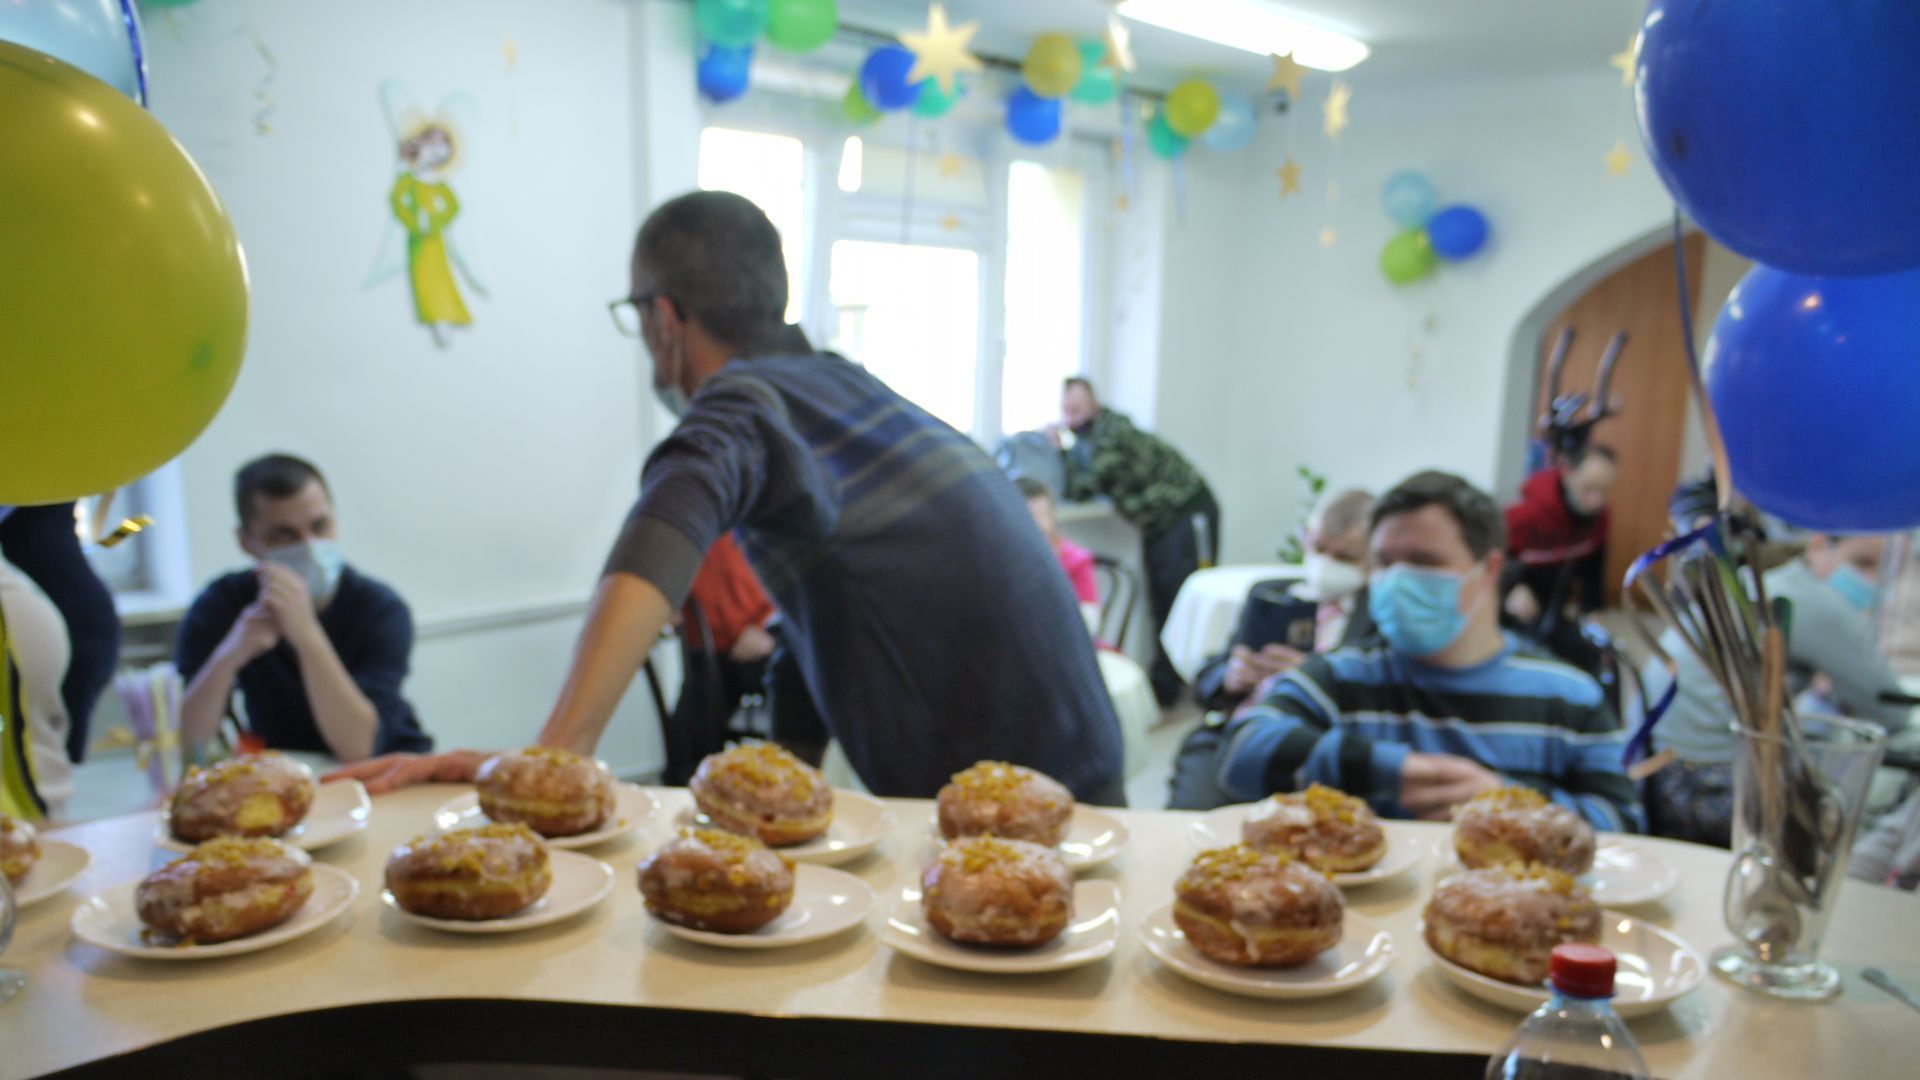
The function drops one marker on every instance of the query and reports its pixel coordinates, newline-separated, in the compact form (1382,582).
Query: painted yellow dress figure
(424,209)
(429,150)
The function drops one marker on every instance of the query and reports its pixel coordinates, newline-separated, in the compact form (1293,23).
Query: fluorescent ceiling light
(1251,25)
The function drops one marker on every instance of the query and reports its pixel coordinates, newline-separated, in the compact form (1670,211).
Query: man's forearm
(206,699)
(348,722)
(625,620)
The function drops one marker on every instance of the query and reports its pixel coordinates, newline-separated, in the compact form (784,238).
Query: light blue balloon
(1232,129)
(1409,198)
(100,37)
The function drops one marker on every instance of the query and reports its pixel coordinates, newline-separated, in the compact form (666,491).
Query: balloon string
(132,21)
(1709,424)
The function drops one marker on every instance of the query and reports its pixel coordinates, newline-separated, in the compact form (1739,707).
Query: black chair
(1119,593)
(690,738)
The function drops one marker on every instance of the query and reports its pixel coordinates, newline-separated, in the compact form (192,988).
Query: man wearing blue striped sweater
(1450,706)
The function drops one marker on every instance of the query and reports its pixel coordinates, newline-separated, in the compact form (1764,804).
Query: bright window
(910,313)
(771,170)
(1045,291)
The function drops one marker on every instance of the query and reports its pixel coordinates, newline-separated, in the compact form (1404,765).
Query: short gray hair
(717,256)
(1341,512)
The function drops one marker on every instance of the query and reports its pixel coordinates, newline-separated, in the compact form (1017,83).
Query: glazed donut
(762,790)
(554,792)
(263,794)
(1518,824)
(1330,831)
(229,887)
(711,879)
(994,798)
(470,874)
(1252,908)
(1504,921)
(19,849)
(991,891)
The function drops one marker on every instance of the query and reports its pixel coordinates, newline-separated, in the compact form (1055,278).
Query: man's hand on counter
(390,771)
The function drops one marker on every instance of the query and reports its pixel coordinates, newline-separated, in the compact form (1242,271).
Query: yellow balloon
(1192,107)
(1053,66)
(123,292)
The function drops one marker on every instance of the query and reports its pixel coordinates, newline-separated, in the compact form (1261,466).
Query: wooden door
(1649,383)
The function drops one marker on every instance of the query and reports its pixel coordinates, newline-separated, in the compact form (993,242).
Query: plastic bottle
(1576,1035)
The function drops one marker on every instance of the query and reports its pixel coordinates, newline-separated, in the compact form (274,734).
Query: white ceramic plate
(109,921)
(60,863)
(339,810)
(1364,952)
(1091,935)
(579,882)
(859,823)
(1624,873)
(633,807)
(1221,828)
(825,902)
(1653,968)
(1094,837)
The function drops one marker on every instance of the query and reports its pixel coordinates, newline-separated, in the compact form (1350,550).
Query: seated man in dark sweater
(1447,706)
(317,649)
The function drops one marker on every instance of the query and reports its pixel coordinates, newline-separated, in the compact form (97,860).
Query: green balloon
(857,109)
(732,23)
(801,25)
(1408,257)
(933,104)
(1097,85)
(1163,140)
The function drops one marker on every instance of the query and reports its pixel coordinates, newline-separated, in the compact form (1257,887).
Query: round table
(609,988)
(1207,610)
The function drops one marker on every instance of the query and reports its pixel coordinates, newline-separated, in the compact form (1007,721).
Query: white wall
(1276,352)
(487,478)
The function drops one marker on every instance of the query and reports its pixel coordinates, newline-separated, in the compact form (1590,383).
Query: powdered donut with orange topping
(762,790)
(19,848)
(992,891)
(1518,824)
(1253,908)
(711,879)
(230,887)
(1331,831)
(263,794)
(470,874)
(1503,921)
(554,792)
(994,798)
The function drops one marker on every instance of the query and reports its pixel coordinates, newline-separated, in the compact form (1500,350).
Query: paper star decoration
(950,164)
(1289,173)
(1286,76)
(1122,203)
(1627,60)
(1119,46)
(940,52)
(1619,159)
(951,223)
(1328,237)
(1336,109)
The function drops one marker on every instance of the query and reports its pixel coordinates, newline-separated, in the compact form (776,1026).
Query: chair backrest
(1119,592)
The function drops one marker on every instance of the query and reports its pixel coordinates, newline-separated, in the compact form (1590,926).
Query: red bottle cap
(1582,971)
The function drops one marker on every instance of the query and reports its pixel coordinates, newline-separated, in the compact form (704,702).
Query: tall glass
(11,981)
(1796,806)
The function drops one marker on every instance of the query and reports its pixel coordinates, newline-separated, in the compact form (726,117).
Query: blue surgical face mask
(1418,611)
(317,561)
(1854,588)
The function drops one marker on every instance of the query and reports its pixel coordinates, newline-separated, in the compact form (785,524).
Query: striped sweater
(1350,718)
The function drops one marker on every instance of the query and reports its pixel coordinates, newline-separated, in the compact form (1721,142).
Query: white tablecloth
(1207,610)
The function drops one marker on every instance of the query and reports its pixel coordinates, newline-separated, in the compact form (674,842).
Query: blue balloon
(1789,136)
(1232,129)
(1457,232)
(1032,119)
(883,78)
(1409,198)
(724,72)
(1816,382)
(100,37)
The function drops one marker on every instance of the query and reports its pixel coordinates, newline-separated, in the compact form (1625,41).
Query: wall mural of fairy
(429,149)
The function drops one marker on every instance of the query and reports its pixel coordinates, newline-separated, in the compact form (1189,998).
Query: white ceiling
(1409,38)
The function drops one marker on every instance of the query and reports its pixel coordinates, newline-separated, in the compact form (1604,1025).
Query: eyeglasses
(627,312)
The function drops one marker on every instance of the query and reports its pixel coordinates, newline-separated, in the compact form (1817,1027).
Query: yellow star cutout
(1336,109)
(940,52)
(1627,60)
(1289,173)
(512,52)
(1619,159)
(1286,76)
(1328,237)
(1119,42)
(950,164)
(1122,203)
(951,223)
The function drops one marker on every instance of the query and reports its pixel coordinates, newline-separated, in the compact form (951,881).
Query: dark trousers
(710,694)
(41,542)
(1171,553)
